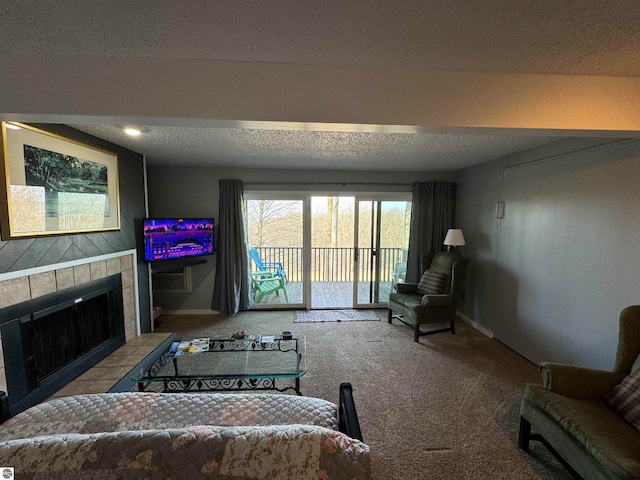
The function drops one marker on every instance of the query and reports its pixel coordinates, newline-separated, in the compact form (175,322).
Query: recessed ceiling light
(134,132)
(12,126)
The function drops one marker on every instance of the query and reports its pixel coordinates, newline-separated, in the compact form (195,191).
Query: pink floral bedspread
(181,436)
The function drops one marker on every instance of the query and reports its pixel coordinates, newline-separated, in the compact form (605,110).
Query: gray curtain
(432,214)
(231,290)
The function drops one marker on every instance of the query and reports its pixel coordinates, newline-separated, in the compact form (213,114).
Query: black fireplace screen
(60,337)
(50,340)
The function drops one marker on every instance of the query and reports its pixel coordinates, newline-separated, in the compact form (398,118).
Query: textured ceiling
(232,147)
(577,37)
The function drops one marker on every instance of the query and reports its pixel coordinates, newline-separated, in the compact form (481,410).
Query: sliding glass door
(382,240)
(358,249)
(275,233)
(326,252)
(332,252)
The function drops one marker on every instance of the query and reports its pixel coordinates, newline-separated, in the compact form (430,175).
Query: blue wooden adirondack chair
(274,267)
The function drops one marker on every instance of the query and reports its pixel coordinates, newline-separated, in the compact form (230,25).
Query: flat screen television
(171,238)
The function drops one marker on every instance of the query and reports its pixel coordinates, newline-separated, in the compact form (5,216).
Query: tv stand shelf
(178,263)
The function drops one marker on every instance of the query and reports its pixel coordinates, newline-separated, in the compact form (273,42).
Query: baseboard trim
(190,312)
(476,325)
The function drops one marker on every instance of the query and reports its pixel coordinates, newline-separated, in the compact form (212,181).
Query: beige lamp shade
(454,238)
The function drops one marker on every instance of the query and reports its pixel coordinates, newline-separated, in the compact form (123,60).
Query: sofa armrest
(4,407)
(578,382)
(442,300)
(406,287)
(347,416)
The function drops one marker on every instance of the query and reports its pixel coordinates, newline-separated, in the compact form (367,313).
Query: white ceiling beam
(152,91)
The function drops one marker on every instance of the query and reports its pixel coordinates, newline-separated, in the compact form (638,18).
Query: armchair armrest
(578,382)
(406,287)
(441,300)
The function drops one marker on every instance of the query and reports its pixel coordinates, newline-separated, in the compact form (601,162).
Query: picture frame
(53,185)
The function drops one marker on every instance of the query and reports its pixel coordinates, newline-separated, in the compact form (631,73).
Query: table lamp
(454,238)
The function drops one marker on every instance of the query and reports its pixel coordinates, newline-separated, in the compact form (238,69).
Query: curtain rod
(344,184)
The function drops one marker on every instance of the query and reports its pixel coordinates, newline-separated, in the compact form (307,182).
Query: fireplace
(51,340)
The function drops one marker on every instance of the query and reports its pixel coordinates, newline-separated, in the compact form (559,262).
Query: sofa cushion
(593,426)
(407,301)
(431,283)
(625,399)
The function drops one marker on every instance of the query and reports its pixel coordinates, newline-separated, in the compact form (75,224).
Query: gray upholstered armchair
(435,298)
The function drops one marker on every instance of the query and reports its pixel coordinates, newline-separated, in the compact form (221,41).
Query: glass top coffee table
(229,365)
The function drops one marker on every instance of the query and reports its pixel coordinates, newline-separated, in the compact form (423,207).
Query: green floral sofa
(183,436)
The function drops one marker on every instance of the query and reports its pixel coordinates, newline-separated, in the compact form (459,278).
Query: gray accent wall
(193,192)
(21,254)
(550,279)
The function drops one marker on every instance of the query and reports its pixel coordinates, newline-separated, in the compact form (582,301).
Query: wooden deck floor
(328,294)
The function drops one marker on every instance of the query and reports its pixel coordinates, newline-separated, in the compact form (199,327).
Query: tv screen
(170,238)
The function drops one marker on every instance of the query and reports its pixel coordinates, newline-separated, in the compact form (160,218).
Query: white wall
(550,279)
(193,192)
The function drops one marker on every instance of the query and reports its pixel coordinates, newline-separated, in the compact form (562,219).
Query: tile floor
(104,375)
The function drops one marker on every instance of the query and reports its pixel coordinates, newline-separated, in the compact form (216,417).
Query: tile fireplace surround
(24,285)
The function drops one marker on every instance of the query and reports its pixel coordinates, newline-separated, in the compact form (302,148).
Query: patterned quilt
(152,435)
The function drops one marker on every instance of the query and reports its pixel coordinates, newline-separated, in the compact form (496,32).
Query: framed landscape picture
(52,185)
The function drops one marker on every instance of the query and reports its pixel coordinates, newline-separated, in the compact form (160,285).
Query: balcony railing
(329,264)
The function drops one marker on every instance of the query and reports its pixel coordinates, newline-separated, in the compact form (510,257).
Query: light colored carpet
(303,316)
(444,408)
